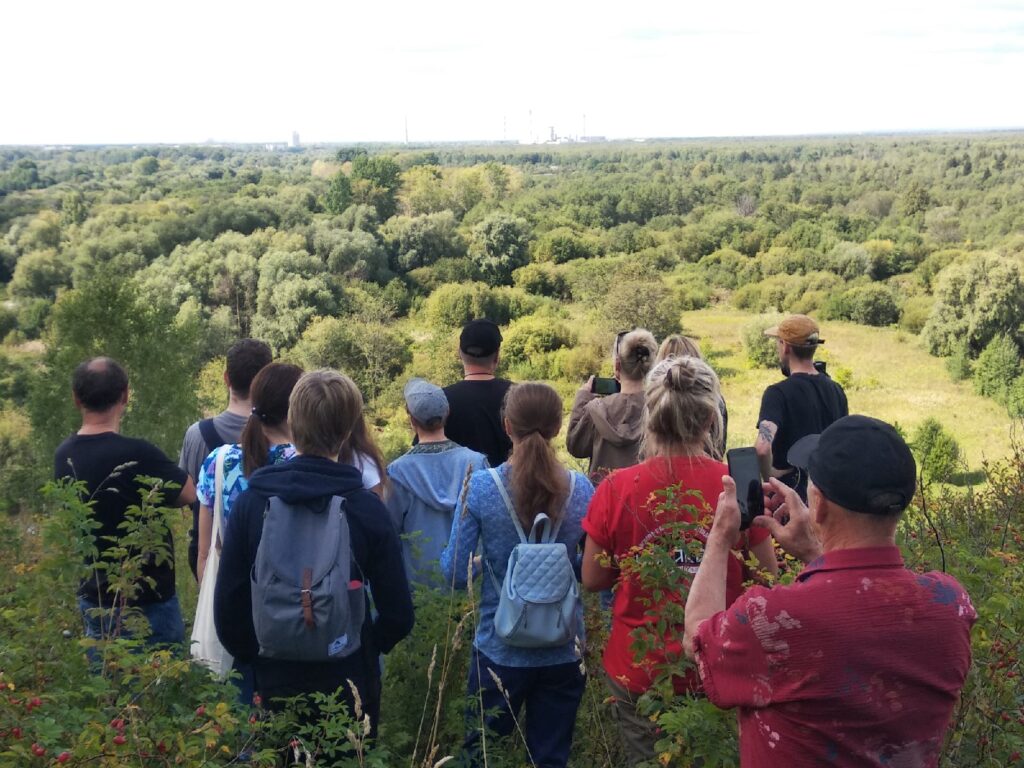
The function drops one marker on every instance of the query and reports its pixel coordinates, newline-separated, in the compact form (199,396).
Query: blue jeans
(551,695)
(165,623)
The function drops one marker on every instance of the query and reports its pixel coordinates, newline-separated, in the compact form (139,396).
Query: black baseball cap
(480,338)
(861,464)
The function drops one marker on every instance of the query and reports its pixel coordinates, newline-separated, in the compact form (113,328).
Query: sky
(152,71)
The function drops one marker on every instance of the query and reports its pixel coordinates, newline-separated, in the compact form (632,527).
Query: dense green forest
(367,258)
(908,249)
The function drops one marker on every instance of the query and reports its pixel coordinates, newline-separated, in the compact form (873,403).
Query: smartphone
(821,366)
(746,472)
(602,386)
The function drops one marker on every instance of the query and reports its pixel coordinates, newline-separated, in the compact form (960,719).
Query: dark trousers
(551,695)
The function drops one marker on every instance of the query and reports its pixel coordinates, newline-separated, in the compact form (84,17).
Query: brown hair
(681,407)
(245,359)
(360,441)
(538,481)
(270,391)
(635,353)
(324,407)
(677,346)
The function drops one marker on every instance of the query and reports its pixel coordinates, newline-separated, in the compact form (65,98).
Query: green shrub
(916,310)
(452,305)
(727,268)
(959,364)
(428,279)
(563,244)
(8,320)
(507,304)
(996,368)
(371,352)
(542,280)
(692,295)
(975,301)
(17,474)
(640,304)
(501,244)
(529,338)
(937,451)
(760,349)
(873,304)
(575,364)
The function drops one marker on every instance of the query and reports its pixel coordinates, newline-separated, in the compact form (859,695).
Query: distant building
(295,139)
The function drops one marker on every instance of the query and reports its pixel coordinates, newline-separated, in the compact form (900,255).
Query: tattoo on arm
(765,432)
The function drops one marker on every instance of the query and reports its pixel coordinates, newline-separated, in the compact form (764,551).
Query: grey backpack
(306,604)
(538,598)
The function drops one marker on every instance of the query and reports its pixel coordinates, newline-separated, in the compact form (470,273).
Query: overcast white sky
(82,71)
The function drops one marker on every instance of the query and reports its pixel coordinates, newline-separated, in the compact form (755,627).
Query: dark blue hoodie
(377,552)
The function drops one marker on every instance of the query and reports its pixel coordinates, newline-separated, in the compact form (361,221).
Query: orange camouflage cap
(798,330)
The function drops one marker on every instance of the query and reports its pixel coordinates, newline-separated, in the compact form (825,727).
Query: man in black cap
(860,661)
(474,418)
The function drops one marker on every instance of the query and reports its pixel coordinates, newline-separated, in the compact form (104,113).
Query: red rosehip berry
(161,748)
(200,710)
(120,739)
(16,732)
(63,757)
(257,700)
(38,749)
(117,724)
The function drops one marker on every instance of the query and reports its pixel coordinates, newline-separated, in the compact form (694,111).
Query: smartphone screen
(603,386)
(745,471)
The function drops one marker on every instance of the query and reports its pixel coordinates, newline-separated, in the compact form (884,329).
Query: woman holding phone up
(640,507)
(607,430)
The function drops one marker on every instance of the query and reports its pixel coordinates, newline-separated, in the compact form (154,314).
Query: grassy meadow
(893,378)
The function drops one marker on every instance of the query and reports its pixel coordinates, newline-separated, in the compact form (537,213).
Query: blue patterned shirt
(234,480)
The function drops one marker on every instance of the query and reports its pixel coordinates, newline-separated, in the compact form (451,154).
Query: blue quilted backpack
(538,598)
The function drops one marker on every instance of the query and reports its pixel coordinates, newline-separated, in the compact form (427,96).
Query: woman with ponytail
(265,440)
(642,507)
(548,681)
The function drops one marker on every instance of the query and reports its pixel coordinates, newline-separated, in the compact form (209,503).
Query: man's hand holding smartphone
(789,521)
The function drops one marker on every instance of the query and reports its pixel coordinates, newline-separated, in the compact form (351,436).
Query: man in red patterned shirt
(860,662)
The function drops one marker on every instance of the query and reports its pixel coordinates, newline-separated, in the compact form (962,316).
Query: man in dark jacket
(323,408)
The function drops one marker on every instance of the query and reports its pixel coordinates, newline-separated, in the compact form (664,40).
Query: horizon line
(596,140)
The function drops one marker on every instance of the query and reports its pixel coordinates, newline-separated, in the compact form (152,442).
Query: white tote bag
(206,646)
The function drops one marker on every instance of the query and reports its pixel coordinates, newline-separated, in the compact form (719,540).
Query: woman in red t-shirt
(643,506)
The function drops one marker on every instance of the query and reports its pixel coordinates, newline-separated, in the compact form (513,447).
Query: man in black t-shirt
(804,403)
(474,419)
(109,465)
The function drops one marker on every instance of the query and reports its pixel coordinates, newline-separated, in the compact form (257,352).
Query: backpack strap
(551,533)
(210,435)
(218,499)
(508,505)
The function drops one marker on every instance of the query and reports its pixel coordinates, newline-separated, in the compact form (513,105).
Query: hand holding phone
(602,386)
(746,472)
